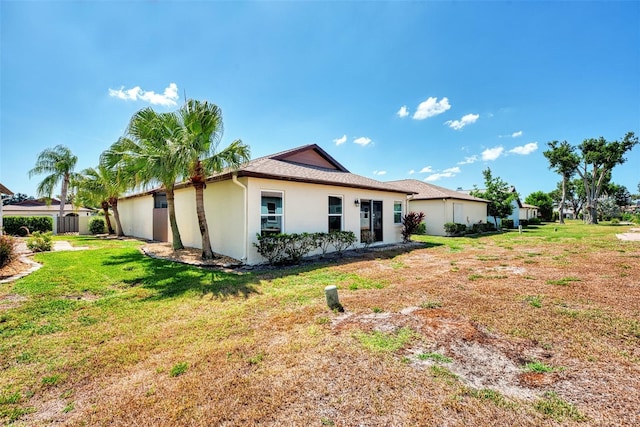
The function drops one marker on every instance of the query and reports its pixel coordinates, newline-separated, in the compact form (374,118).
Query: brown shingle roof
(426,191)
(278,166)
(5,190)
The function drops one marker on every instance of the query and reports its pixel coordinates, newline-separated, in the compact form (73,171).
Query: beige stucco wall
(440,211)
(136,216)
(223,202)
(306,209)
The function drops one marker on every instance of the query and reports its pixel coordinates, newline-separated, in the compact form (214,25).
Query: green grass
(534,301)
(552,406)
(539,367)
(565,281)
(377,341)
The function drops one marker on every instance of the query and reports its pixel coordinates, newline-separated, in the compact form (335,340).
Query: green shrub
(22,225)
(535,221)
(291,248)
(342,240)
(524,223)
(410,223)
(367,237)
(97,226)
(299,245)
(615,221)
(7,250)
(421,229)
(40,242)
(323,241)
(507,223)
(454,229)
(272,247)
(482,227)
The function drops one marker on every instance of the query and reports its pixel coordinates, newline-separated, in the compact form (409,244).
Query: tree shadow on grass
(171,279)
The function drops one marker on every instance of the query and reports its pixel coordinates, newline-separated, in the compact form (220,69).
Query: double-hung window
(397,212)
(335,213)
(271,213)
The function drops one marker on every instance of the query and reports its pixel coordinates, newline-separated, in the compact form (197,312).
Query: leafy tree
(618,192)
(574,196)
(149,154)
(597,158)
(410,223)
(58,162)
(543,201)
(563,159)
(202,129)
(499,195)
(16,198)
(608,208)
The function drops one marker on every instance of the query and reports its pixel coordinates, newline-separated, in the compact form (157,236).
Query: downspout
(234,179)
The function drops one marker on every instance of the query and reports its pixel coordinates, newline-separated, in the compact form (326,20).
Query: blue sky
(434,91)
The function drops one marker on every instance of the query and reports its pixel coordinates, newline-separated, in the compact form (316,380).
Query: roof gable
(310,155)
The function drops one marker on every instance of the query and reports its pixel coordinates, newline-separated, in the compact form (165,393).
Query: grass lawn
(536,328)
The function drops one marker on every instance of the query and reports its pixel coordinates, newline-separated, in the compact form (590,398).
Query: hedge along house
(441,205)
(295,191)
(3,191)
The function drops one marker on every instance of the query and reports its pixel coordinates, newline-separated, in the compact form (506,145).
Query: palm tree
(201,134)
(59,162)
(105,185)
(149,155)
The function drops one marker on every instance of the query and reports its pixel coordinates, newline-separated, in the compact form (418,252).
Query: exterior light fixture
(356,202)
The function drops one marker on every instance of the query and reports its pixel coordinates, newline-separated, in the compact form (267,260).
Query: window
(160,200)
(271,212)
(397,212)
(335,213)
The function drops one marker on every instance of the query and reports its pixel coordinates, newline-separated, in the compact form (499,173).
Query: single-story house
(521,211)
(3,190)
(441,205)
(39,207)
(299,190)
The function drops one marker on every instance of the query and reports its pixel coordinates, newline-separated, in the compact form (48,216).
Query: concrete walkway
(633,235)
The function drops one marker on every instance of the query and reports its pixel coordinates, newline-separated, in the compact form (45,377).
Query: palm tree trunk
(105,209)
(175,233)
(63,194)
(207,252)
(113,201)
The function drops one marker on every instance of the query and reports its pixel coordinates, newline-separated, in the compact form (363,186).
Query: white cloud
(465,120)
(167,98)
(431,107)
(447,173)
(364,141)
(379,172)
(426,169)
(411,172)
(525,149)
(469,160)
(492,153)
(403,112)
(340,141)
(516,134)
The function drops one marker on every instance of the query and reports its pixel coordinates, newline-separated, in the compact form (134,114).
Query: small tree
(410,223)
(543,201)
(498,193)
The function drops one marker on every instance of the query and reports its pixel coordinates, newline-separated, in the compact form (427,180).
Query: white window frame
(401,211)
(280,215)
(341,214)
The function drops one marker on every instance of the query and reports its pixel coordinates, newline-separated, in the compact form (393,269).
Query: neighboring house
(39,207)
(295,191)
(441,205)
(3,190)
(521,211)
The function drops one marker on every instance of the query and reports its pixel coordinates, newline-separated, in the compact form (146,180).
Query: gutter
(234,179)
